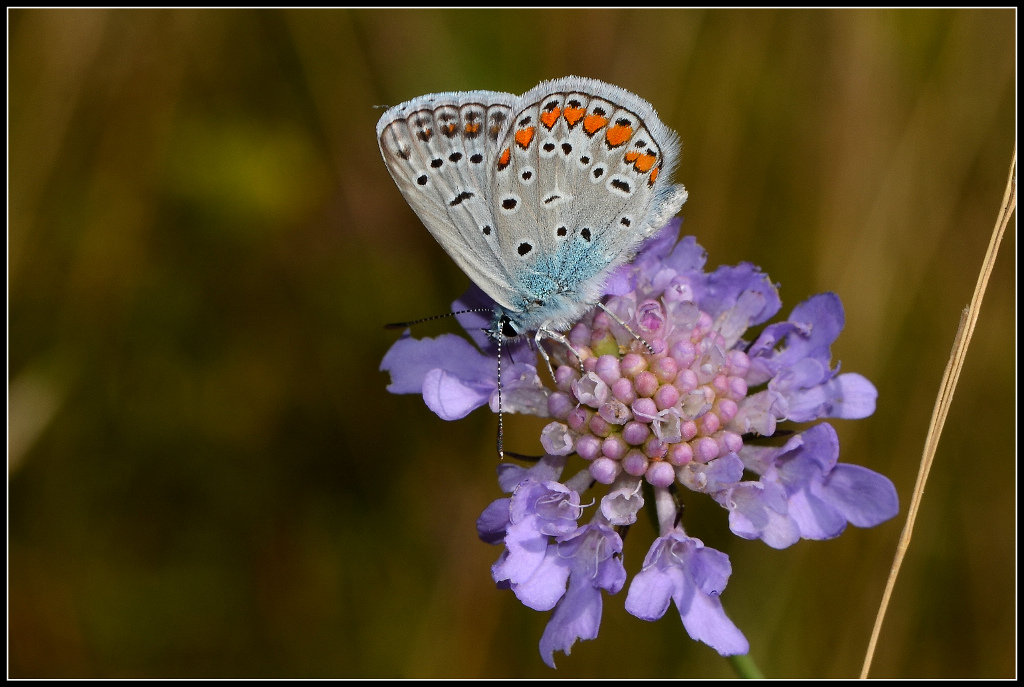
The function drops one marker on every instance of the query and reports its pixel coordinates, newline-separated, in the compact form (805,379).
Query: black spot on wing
(465,195)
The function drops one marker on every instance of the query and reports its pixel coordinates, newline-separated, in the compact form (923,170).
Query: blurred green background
(206,476)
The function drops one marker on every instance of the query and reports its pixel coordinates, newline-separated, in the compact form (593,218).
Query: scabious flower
(687,407)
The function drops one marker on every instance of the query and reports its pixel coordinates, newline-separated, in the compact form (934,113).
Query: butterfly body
(538,197)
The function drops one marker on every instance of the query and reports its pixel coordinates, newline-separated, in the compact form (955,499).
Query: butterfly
(537,197)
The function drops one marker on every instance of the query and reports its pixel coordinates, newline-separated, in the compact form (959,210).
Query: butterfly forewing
(441,149)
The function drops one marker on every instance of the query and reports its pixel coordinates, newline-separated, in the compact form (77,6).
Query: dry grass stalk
(968,318)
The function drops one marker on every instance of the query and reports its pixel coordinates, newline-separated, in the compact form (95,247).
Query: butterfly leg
(626,327)
(543,352)
(560,338)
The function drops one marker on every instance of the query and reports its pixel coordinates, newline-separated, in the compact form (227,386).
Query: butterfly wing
(441,150)
(581,178)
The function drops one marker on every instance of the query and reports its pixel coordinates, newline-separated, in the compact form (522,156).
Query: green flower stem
(745,667)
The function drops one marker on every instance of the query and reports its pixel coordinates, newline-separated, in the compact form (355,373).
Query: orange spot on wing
(549,117)
(654,176)
(506,155)
(472,128)
(644,163)
(617,135)
(591,123)
(524,136)
(450,129)
(632,155)
(573,115)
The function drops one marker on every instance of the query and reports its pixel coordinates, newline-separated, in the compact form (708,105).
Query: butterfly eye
(508,330)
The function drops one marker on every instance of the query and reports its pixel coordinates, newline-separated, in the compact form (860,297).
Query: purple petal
(687,256)
(818,321)
(651,590)
(535,569)
(521,391)
(705,620)
(549,507)
(851,396)
(451,397)
(808,404)
(713,476)
(545,585)
(510,476)
(735,321)
(475,323)
(758,413)
(710,569)
(592,549)
(764,363)
(694,576)
(823,495)
(621,281)
(662,243)
(578,616)
(491,524)
(758,459)
(409,360)
(802,374)
(624,278)
(536,511)
(592,553)
(863,496)
(526,547)
(548,468)
(759,510)
(815,518)
(808,456)
(720,290)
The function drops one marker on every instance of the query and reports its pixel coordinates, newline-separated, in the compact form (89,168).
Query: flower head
(664,390)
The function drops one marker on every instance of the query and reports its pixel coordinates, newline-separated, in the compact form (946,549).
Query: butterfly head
(504,326)
(551,310)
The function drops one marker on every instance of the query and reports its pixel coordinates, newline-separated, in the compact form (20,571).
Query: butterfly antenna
(501,451)
(403,325)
